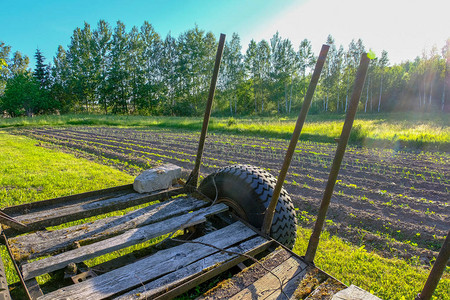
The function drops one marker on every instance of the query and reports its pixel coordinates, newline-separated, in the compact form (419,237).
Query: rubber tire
(251,188)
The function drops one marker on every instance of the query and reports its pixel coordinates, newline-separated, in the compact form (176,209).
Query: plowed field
(394,202)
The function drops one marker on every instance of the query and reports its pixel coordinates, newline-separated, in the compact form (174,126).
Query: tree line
(112,70)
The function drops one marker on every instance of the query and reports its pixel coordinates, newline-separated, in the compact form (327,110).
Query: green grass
(383,277)
(425,131)
(30,173)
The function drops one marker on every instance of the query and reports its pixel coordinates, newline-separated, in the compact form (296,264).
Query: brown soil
(393,202)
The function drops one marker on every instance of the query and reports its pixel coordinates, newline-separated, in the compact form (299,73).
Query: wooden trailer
(238,223)
(209,241)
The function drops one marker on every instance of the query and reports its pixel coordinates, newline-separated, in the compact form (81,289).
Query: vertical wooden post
(340,151)
(192,180)
(436,271)
(270,211)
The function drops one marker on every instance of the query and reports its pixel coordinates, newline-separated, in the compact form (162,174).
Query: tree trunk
(255,92)
(431,92)
(443,96)
(346,102)
(381,92)
(262,98)
(420,100)
(371,101)
(285,97)
(367,95)
(424,94)
(337,105)
(346,96)
(290,98)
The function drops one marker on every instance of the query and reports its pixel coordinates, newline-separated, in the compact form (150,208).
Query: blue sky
(402,27)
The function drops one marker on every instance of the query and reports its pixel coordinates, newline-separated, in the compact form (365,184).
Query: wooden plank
(68,209)
(327,289)
(21,208)
(10,221)
(248,276)
(269,283)
(289,288)
(67,213)
(157,265)
(129,238)
(33,288)
(183,279)
(50,242)
(4,291)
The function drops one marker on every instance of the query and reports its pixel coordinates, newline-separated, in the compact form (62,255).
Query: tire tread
(263,184)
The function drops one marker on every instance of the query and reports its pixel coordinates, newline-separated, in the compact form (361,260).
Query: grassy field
(30,173)
(395,130)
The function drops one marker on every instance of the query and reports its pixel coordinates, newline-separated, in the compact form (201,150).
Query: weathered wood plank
(68,209)
(289,288)
(326,290)
(159,264)
(129,238)
(169,281)
(268,284)
(50,242)
(248,276)
(34,290)
(67,213)
(87,196)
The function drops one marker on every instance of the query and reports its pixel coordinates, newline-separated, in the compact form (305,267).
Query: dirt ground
(396,203)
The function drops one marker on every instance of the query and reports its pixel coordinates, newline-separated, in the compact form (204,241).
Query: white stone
(156,179)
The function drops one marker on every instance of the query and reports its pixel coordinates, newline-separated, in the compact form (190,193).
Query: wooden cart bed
(49,249)
(161,271)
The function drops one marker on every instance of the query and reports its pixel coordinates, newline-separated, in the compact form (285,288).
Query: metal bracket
(83,276)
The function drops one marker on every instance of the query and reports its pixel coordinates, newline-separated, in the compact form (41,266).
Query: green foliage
(115,70)
(371,54)
(23,96)
(41,71)
(3,63)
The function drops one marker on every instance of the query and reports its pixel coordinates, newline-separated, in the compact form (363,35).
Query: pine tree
(41,71)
